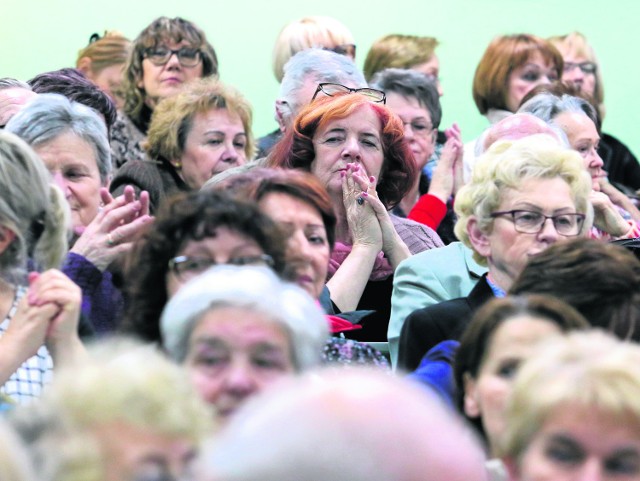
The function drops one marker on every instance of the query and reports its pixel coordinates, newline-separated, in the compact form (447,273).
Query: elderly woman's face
(109,80)
(227,246)
(507,251)
(72,162)
(583,138)
(418,129)
(523,79)
(307,244)
(216,141)
(160,81)
(512,343)
(579,443)
(234,353)
(356,138)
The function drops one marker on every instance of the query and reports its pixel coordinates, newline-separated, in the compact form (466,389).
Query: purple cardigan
(102,302)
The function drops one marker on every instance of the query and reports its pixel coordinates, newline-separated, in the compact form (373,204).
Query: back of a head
(15,464)
(76,87)
(110,49)
(601,281)
(353,425)
(320,65)
(30,207)
(547,105)
(308,32)
(398,51)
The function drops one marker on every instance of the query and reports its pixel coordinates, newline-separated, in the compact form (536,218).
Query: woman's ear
(479,240)
(7,236)
(84,65)
(471,405)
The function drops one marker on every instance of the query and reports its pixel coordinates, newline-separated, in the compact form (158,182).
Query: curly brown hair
(183,218)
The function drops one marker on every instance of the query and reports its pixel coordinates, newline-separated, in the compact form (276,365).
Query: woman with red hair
(355,146)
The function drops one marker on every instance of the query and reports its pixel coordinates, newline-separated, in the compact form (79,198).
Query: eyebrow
(219,132)
(524,205)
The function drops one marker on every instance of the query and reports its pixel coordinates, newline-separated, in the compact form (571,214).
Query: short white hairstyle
(255,288)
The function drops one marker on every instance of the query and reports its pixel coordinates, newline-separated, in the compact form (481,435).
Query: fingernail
(364,194)
(342,173)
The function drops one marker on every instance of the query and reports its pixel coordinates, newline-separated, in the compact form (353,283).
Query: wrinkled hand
(115,227)
(447,176)
(607,218)
(363,221)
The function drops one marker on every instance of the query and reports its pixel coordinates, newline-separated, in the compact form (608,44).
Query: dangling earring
(177,164)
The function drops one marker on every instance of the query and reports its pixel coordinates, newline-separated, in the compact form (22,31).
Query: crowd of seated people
(357,295)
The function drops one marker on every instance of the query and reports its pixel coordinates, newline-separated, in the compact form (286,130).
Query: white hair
(255,288)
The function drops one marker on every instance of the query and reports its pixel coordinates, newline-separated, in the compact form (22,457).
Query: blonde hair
(398,51)
(110,49)
(15,464)
(307,32)
(506,165)
(591,370)
(31,207)
(173,117)
(576,44)
(121,382)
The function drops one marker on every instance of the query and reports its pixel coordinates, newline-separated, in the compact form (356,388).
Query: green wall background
(40,35)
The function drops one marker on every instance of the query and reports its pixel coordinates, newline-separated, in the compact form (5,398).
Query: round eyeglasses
(331,90)
(186,267)
(188,57)
(529,222)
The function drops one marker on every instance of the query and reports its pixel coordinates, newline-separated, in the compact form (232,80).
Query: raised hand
(363,222)
(114,228)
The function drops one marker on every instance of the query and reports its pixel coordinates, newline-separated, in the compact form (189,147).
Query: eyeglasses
(586,67)
(332,90)
(420,129)
(529,222)
(186,267)
(188,57)
(347,49)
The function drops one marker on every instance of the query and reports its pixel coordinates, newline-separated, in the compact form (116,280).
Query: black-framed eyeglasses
(187,56)
(347,49)
(530,222)
(186,267)
(331,90)
(586,67)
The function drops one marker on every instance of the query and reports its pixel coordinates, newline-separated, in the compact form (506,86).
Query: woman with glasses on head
(194,135)
(192,232)
(582,69)
(355,146)
(166,54)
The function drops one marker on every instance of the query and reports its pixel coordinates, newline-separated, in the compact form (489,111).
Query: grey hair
(324,66)
(411,84)
(11,83)
(547,106)
(251,287)
(51,115)
(31,207)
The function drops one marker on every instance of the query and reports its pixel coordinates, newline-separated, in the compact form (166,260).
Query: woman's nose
(229,155)
(351,149)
